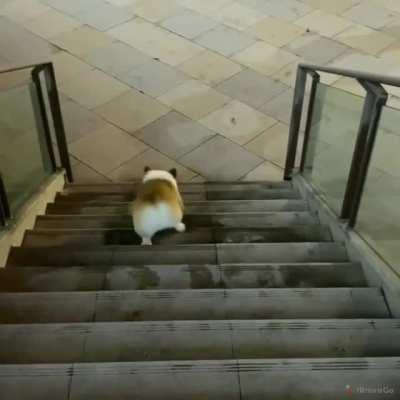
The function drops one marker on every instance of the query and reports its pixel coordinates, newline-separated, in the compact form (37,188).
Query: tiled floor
(202,85)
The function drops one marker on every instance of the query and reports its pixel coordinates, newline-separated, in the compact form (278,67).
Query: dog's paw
(146,242)
(181,227)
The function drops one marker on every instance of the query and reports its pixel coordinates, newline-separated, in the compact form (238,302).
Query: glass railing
(30,126)
(332,137)
(378,220)
(350,153)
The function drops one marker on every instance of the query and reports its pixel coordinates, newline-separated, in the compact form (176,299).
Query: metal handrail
(49,87)
(363,75)
(375,99)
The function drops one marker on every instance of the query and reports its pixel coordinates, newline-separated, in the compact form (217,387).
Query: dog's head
(150,174)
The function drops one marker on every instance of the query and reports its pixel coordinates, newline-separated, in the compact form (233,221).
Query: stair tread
(192,235)
(229,219)
(183,186)
(178,254)
(190,195)
(232,379)
(181,277)
(187,304)
(196,340)
(206,207)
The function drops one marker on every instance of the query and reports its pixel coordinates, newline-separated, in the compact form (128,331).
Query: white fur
(158,174)
(156,218)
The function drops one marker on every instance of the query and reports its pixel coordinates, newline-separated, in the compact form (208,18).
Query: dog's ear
(173,172)
(146,169)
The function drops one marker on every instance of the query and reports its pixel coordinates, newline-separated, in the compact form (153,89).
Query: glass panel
(379,214)
(24,160)
(334,128)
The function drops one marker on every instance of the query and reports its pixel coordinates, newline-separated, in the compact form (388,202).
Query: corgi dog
(158,204)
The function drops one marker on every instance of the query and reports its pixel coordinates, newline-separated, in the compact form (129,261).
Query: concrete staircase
(253,301)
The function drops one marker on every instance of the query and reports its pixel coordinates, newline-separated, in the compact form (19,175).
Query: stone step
(228,220)
(53,279)
(233,194)
(192,207)
(93,237)
(234,379)
(178,254)
(201,304)
(198,340)
(186,187)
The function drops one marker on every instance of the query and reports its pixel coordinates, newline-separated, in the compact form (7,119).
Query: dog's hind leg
(180,227)
(146,241)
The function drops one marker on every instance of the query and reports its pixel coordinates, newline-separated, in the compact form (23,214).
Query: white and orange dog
(158,204)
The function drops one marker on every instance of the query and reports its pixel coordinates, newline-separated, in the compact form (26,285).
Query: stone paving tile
(315,48)
(174,134)
(210,67)
(156,10)
(84,174)
(121,3)
(251,87)
(236,86)
(198,179)
(275,31)
(93,88)
(81,40)
(4,63)
(225,40)
(78,120)
(280,107)
(132,170)
(333,7)
(26,47)
(370,15)
(287,75)
(349,85)
(154,78)
(155,41)
(392,29)
(391,52)
(238,16)
(194,99)
(271,144)
(323,23)
(23,10)
(67,66)
(189,24)
(132,110)
(51,23)
(392,5)
(74,7)
(265,171)
(289,10)
(206,7)
(116,58)
(106,16)
(106,148)
(264,58)
(238,122)
(225,160)
(365,39)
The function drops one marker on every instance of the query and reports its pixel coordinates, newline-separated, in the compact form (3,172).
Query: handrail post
(5,212)
(315,81)
(376,97)
(380,101)
(42,108)
(295,120)
(57,119)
